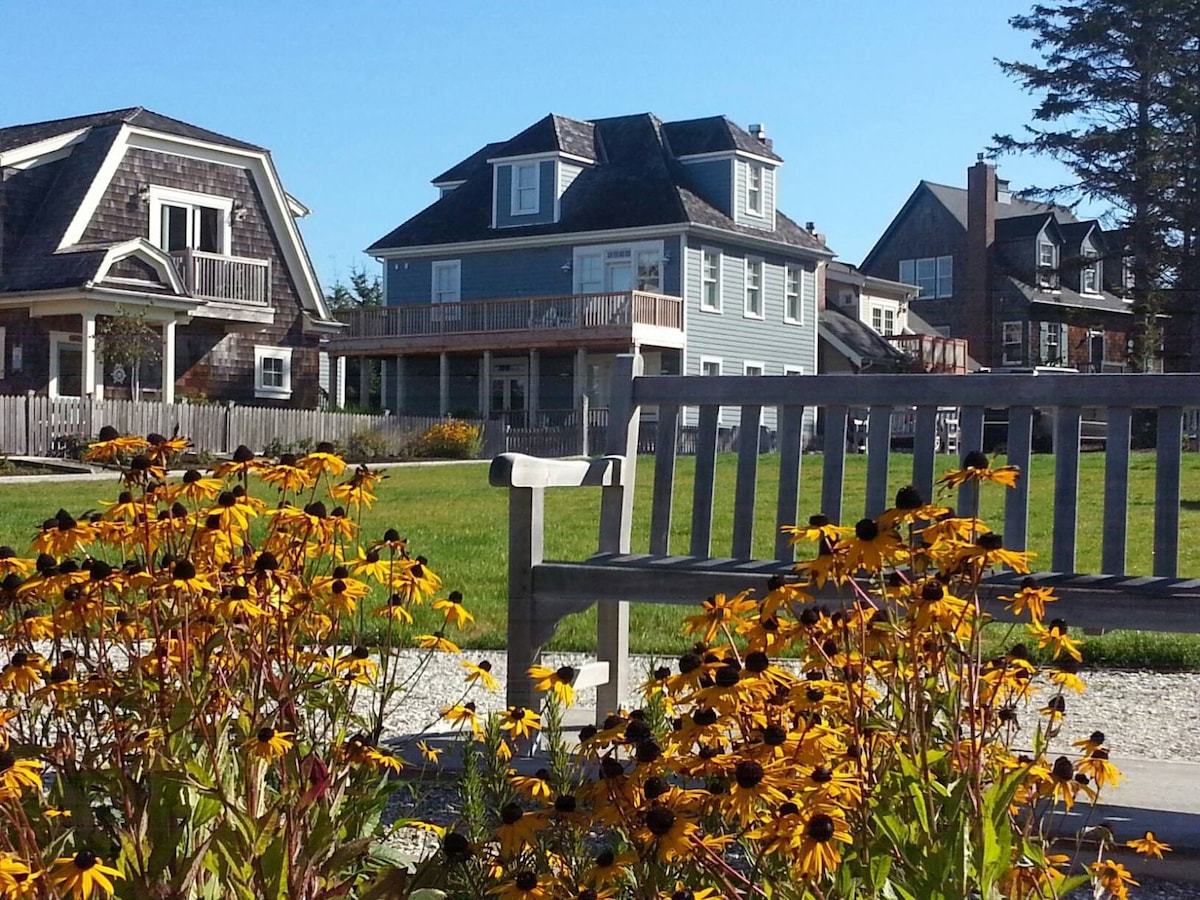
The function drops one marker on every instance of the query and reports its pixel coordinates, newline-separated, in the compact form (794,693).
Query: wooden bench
(542,592)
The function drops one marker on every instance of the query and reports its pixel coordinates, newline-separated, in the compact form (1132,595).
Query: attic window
(188,220)
(525,189)
(1090,274)
(754,180)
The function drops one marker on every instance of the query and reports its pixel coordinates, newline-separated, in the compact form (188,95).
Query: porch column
(168,362)
(385,389)
(398,389)
(580,374)
(443,384)
(91,361)
(364,382)
(535,378)
(485,383)
(339,381)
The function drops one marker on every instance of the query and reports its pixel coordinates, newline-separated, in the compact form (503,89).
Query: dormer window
(186,220)
(1089,281)
(525,189)
(754,180)
(1047,264)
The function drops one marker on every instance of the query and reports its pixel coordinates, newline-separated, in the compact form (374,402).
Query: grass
(451,516)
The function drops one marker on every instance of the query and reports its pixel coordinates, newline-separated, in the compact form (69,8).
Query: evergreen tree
(1115,80)
(363,290)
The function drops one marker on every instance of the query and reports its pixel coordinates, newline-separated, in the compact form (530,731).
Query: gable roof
(1016,228)
(552,134)
(637,182)
(138,116)
(714,134)
(955,200)
(854,340)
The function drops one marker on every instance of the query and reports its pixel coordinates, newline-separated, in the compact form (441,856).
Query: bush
(186,709)
(452,439)
(367,444)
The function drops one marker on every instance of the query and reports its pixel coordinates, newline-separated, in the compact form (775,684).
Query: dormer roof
(714,134)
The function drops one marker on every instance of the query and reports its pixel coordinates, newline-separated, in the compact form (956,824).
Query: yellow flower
(871,547)
(269,744)
(463,713)
(17,775)
(1030,597)
(1113,877)
(453,609)
(112,444)
(817,850)
(668,831)
(83,875)
(323,460)
(288,475)
(520,722)
(517,828)
(1149,846)
(525,886)
(560,680)
(480,673)
(1055,636)
(437,641)
(719,611)
(16,877)
(432,754)
(976,467)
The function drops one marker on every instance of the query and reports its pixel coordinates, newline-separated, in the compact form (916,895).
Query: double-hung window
(1047,264)
(710,280)
(446,290)
(1089,282)
(934,275)
(754,288)
(754,189)
(272,372)
(1014,344)
(187,220)
(793,311)
(525,189)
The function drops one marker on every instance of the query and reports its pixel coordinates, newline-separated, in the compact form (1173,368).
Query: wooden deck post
(616,524)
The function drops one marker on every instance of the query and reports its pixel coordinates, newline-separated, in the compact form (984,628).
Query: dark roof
(1073,233)
(477,160)
(553,134)
(635,183)
(715,134)
(955,200)
(19,135)
(1015,228)
(1064,297)
(852,334)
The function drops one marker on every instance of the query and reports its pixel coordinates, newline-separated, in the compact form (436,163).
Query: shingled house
(548,253)
(1027,284)
(131,213)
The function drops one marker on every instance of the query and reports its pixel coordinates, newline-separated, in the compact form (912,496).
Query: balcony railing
(932,352)
(212,276)
(574,312)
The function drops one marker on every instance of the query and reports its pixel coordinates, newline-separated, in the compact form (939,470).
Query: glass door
(508,399)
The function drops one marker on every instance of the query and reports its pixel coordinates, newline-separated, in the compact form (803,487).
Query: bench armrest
(516,470)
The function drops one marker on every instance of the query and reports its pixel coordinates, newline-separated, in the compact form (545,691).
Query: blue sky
(361,103)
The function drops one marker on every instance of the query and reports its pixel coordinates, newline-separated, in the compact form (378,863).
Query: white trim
(515,189)
(295,207)
(262,169)
(3,353)
(149,253)
(758,211)
(449,265)
(799,270)
(602,251)
(38,153)
(164,196)
(538,157)
(720,361)
(720,305)
(729,154)
(272,392)
(71,338)
(756,364)
(557,189)
(449,184)
(747,313)
(792,370)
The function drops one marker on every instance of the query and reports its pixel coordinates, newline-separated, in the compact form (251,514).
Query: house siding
(713,180)
(736,339)
(209,362)
(567,174)
(546,193)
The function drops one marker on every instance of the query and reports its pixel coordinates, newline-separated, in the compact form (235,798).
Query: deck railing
(578,311)
(212,276)
(933,353)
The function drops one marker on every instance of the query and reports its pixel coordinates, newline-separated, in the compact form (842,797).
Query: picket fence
(46,426)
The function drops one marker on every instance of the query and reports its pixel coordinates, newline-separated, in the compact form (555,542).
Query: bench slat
(791,422)
(970,438)
(924,437)
(1116,490)
(879,444)
(1016,501)
(834,451)
(665,448)
(1166,490)
(1066,487)
(704,486)
(747,479)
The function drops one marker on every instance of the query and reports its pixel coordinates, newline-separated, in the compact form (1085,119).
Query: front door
(67,369)
(508,399)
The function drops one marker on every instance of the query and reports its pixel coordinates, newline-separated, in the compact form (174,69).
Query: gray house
(547,254)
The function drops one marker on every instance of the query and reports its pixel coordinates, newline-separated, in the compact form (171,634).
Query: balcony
(572,320)
(932,352)
(232,279)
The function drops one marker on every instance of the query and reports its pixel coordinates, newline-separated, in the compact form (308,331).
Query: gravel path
(1143,714)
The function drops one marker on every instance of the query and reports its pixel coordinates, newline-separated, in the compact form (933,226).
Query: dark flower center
(648,751)
(7,760)
(659,820)
(565,804)
(655,787)
(637,730)
(511,814)
(991,541)
(788,809)
(818,521)
(689,662)
(184,570)
(85,859)
(1057,703)
(1097,737)
(59,674)
(611,768)
(932,591)
(661,673)
(728,675)
(908,497)
(266,562)
(820,828)
(683,894)
(814,695)
(517,714)
(757,661)
(485,665)
(605,858)
(1063,770)
(360,653)
(243,454)
(565,674)
(748,773)
(526,881)
(704,717)
(108,433)
(391,535)
(822,775)
(976,459)
(456,844)
(866,530)
(774,735)
(265,735)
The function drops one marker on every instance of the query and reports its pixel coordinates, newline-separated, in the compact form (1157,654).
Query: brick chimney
(981,235)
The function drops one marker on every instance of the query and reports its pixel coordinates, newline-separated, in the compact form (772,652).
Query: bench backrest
(1112,397)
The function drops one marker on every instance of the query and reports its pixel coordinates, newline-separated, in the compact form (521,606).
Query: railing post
(583,424)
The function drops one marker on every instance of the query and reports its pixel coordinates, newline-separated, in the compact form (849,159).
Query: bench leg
(524,650)
(612,647)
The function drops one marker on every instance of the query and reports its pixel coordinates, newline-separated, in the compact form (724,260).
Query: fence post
(28,423)
(228,427)
(583,425)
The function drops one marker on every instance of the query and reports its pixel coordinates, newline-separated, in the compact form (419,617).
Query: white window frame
(709,361)
(164,196)
(272,392)
(754,192)
(605,254)
(1005,329)
(1047,272)
(749,364)
(877,318)
(516,190)
(793,370)
(889,327)
(716,281)
(447,309)
(751,263)
(1091,266)
(940,276)
(790,296)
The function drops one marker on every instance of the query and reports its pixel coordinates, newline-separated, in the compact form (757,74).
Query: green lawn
(451,516)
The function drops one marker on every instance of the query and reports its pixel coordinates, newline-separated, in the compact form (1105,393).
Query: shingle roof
(714,134)
(477,160)
(955,200)
(552,134)
(19,135)
(1063,297)
(635,183)
(1015,228)
(849,333)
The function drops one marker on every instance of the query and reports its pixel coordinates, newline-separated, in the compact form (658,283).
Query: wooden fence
(45,426)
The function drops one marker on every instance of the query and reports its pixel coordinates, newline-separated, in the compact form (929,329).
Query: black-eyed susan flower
(1056,637)
(719,612)
(1091,743)
(287,475)
(111,445)
(989,551)
(240,465)
(667,831)
(480,673)
(754,786)
(872,547)
(682,892)
(357,491)
(195,487)
(461,714)
(977,468)
(454,611)
(323,461)
(16,877)
(82,876)
(430,754)
(561,681)
(23,673)
(1149,845)
(520,722)
(1112,877)
(269,744)
(910,507)
(526,885)
(819,529)
(1030,597)
(18,775)
(1097,766)
(817,850)
(395,609)
(163,449)
(609,868)
(11,564)
(517,828)
(437,641)
(535,787)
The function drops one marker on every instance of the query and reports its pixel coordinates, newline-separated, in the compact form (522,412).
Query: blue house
(548,254)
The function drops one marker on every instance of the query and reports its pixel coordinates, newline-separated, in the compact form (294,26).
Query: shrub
(367,444)
(452,439)
(186,707)
(880,763)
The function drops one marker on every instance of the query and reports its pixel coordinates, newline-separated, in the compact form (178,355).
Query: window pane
(907,273)
(174,227)
(945,276)
(927,277)
(208,230)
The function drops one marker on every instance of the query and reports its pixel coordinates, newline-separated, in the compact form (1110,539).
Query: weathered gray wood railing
(541,593)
